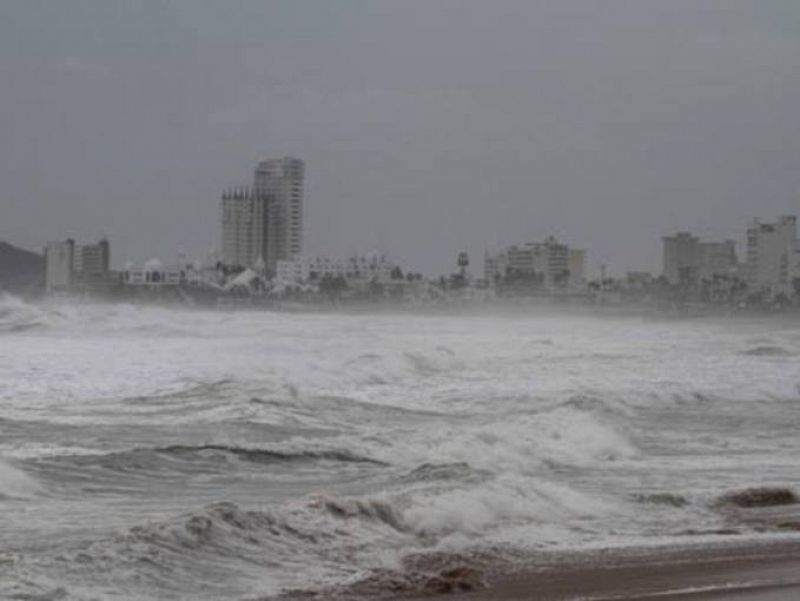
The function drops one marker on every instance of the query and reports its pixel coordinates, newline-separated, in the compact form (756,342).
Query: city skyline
(609,126)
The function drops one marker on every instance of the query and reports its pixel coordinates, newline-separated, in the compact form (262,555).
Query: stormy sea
(157,453)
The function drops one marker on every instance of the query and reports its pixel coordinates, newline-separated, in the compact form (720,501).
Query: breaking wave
(256,455)
(149,459)
(16,315)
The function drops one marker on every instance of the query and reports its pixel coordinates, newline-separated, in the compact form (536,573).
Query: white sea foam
(365,436)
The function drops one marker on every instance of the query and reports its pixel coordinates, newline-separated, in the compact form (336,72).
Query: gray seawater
(151,453)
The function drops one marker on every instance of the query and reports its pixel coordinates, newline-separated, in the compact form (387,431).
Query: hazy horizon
(427,128)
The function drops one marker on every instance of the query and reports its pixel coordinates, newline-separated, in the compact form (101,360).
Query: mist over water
(152,453)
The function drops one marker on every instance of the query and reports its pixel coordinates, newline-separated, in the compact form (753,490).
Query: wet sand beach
(737,572)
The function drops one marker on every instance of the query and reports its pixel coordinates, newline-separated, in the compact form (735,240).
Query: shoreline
(740,571)
(497,307)
(743,570)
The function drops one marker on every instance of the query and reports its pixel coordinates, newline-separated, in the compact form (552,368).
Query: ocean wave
(153,458)
(189,391)
(600,404)
(15,484)
(371,509)
(562,435)
(225,551)
(438,472)
(257,455)
(767,351)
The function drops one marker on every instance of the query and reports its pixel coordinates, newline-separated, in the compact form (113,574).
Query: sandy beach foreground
(736,572)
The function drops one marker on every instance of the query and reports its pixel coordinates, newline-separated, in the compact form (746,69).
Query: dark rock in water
(759,497)
(454,580)
(199,526)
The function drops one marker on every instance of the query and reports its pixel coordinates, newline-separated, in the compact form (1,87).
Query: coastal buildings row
(688,260)
(263,240)
(771,265)
(263,223)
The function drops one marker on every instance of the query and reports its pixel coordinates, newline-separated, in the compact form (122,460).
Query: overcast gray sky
(427,126)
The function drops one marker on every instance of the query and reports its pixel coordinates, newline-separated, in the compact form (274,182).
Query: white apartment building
(773,255)
(558,265)
(59,266)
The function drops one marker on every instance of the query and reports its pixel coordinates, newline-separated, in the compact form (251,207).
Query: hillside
(21,271)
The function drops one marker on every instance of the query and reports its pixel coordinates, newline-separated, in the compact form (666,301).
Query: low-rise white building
(153,273)
(365,267)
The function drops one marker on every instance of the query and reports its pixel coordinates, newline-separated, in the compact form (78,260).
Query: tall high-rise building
(264,224)
(244,228)
(280,183)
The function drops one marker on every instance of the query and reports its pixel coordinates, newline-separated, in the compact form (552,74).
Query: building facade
(70,267)
(718,259)
(550,264)
(281,183)
(154,274)
(92,261)
(370,267)
(244,227)
(681,258)
(59,266)
(265,223)
(772,256)
(688,260)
